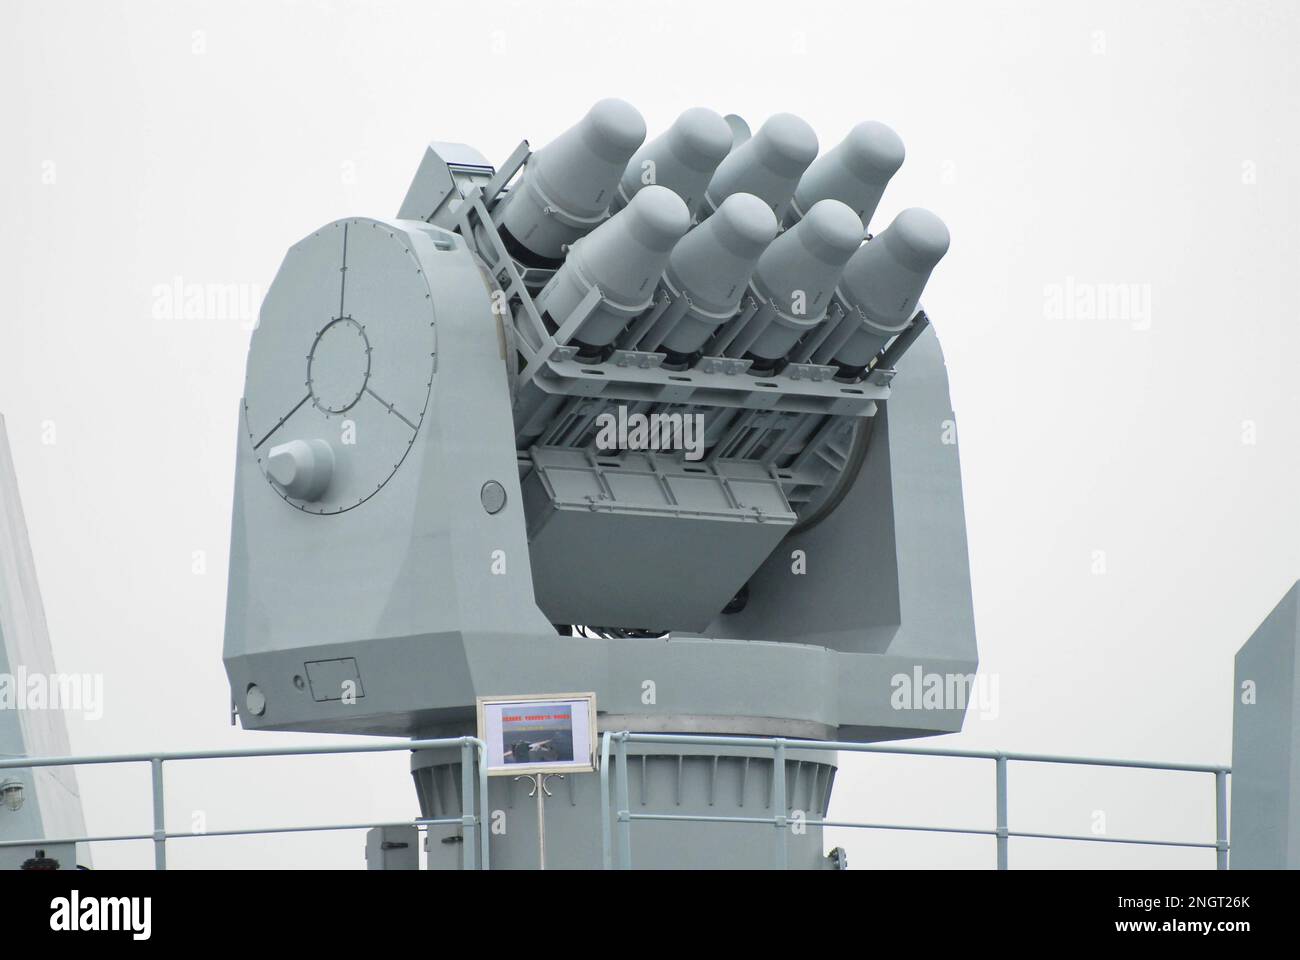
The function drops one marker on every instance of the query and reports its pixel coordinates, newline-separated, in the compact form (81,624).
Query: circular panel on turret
(344,352)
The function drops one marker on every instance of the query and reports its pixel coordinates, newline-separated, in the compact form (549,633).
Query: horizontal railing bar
(49,841)
(322,827)
(768,743)
(686,817)
(235,754)
(247,831)
(973,831)
(769,821)
(1115,762)
(1090,839)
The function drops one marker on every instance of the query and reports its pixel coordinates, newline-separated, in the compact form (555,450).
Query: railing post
(778,803)
(468,840)
(1220,820)
(606,831)
(484,814)
(624,809)
(1002,811)
(159,816)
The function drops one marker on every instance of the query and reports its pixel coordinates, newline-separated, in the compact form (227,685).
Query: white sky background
(1113,143)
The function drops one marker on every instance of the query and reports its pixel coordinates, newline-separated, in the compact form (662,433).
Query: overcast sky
(1129,470)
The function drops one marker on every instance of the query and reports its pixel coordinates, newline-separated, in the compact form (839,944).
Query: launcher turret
(650,419)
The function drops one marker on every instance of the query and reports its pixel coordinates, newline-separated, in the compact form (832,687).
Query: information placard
(533,734)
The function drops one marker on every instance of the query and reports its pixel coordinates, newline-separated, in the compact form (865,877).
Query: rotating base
(673,780)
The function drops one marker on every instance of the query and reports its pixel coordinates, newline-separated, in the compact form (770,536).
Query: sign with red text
(538,734)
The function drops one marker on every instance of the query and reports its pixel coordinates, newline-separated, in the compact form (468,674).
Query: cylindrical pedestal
(669,779)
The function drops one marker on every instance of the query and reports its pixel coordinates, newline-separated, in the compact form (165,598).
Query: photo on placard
(537,734)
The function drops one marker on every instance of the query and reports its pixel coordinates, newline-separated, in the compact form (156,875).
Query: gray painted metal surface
(402,368)
(51,798)
(393,848)
(1266,742)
